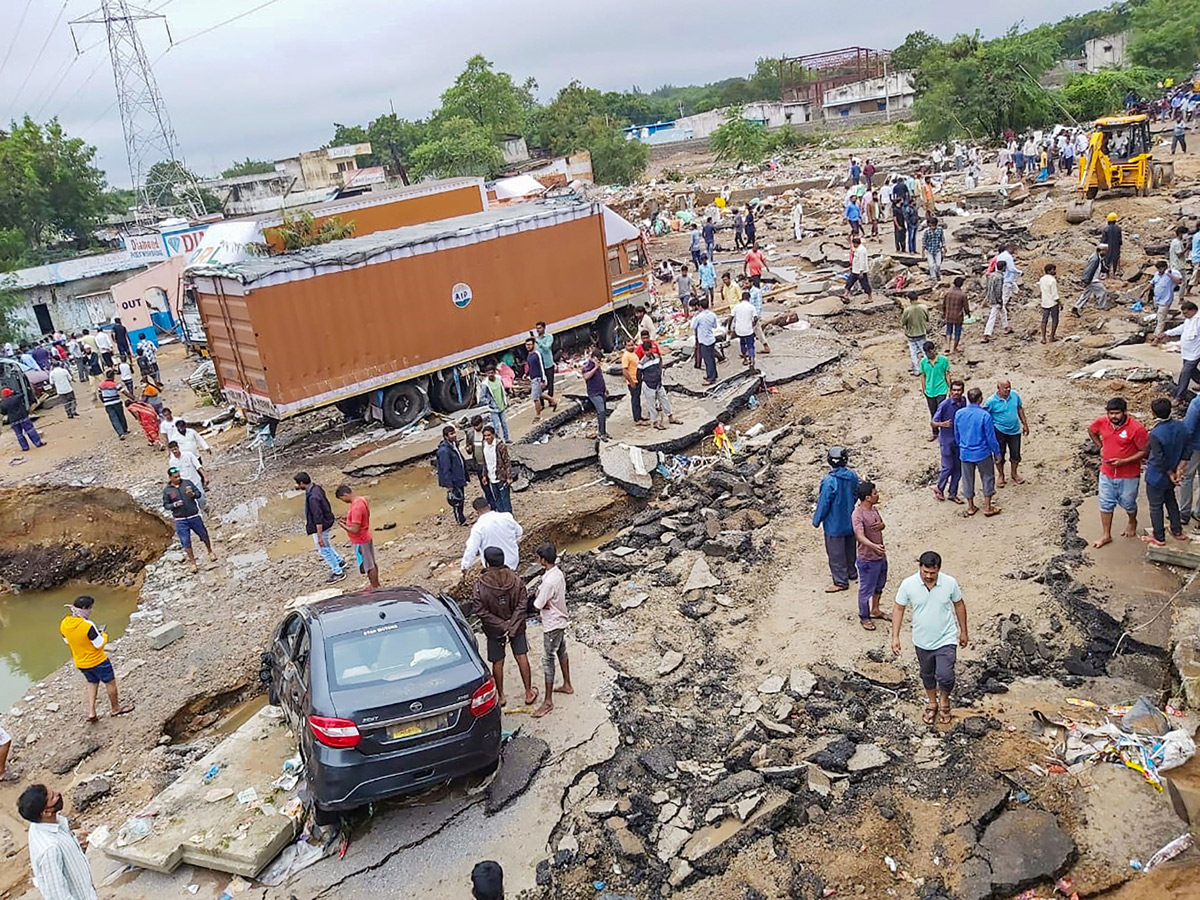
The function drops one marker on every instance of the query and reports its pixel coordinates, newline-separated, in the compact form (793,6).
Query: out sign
(461,295)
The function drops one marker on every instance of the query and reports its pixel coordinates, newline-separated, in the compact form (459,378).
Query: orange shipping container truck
(395,321)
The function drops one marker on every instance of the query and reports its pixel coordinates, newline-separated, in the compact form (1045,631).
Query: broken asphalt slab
(629,467)
(1023,847)
(698,416)
(795,354)
(555,457)
(520,760)
(223,834)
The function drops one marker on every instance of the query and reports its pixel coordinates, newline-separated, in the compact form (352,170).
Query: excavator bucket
(1078,211)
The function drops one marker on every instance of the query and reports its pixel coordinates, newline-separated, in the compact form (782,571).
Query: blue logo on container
(461,295)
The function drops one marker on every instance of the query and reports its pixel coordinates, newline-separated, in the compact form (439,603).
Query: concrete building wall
(514,150)
(75,305)
(897,91)
(1105,52)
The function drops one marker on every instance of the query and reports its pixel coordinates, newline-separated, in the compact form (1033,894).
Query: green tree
(11,297)
(615,159)
(907,57)
(1166,35)
(738,139)
(978,88)
(579,118)
(249,166)
(1091,96)
(458,146)
(490,99)
(49,188)
(393,141)
(302,230)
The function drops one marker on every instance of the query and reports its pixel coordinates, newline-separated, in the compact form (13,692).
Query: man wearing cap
(16,414)
(835,506)
(87,642)
(181,499)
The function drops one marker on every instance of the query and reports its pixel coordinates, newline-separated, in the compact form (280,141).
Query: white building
(1105,52)
(873,96)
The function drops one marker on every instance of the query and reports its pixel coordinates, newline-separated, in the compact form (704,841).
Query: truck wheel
(403,404)
(606,332)
(450,396)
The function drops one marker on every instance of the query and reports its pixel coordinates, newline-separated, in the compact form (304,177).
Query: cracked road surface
(426,848)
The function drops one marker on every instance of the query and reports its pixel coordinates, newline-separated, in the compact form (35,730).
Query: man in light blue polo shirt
(704,324)
(1162,291)
(939,627)
(1008,415)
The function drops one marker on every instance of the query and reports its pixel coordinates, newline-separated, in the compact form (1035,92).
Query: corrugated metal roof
(77,269)
(382,246)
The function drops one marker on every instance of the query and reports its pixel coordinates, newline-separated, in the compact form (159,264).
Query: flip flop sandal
(943,716)
(867,624)
(93,719)
(124,710)
(994,511)
(959,500)
(930,715)
(967,513)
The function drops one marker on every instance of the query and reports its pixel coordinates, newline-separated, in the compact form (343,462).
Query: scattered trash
(891,864)
(134,830)
(213,772)
(248,795)
(1170,851)
(295,856)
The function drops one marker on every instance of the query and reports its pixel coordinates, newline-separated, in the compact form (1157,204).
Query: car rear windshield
(392,652)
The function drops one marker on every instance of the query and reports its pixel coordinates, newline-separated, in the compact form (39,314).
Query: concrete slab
(557,455)
(520,760)
(224,835)
(629,466)
(698,415)
(795,354)
(687,379)
(826,306)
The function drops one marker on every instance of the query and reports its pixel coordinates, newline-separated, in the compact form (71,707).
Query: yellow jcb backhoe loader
(1118,156)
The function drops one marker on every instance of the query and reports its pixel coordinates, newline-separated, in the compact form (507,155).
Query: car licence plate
(419,726)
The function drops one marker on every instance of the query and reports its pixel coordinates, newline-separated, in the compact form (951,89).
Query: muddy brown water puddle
(30,644)
(404,497)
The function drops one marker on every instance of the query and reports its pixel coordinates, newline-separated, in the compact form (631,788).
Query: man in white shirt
(742,322)
(756,300)
(1051,305)
(188,438)
(190,468)
(60,870)
(106,346)
(1189,348)
(860,268)
(492,529)
(551,600)
(60,377)
(646,322)
(1011,272)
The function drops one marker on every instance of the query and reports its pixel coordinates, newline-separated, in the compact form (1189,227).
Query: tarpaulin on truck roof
(412,240)
(617,230)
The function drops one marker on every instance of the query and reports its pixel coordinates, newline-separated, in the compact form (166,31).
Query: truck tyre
(449,396)
(403,404)
(606,332)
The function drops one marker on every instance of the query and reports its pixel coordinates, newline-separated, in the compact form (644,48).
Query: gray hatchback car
(387,694)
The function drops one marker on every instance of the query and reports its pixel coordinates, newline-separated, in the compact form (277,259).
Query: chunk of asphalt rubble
(658,761)
(866,757)
(801,682)
(701,577)
(635,601)
(671,660)
(520,760)
(772,685)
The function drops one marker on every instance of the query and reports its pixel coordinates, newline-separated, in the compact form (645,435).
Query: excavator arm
(1097,171)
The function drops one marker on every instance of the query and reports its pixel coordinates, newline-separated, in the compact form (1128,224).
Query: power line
(16,34)
(96,68)
(211,28)
(37,59)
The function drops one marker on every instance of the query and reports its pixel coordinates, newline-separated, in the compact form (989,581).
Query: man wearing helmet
(1111,237)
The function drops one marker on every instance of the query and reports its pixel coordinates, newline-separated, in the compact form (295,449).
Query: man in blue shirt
(694,246)
(1162,291)
(975,434)
(943,421)
(835,506)
(854,216)
(708,277)
(1170,448)
(704,324)
(1008,414)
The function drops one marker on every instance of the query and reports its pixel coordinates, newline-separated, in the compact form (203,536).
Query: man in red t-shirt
(1123,444)
(357,523)
(755,262)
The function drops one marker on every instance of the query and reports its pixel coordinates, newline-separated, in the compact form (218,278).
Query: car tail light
(483,701)
(334,732)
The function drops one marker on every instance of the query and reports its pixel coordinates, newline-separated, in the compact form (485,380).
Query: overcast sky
(272,83)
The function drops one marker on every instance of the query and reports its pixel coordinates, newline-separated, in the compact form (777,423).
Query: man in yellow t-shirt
(87,642)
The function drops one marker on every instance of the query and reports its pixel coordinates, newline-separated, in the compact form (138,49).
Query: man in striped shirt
(60,870)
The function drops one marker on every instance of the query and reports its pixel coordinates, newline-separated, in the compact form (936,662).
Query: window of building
(881,105)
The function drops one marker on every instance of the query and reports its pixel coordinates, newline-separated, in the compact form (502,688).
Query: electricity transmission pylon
(162,190)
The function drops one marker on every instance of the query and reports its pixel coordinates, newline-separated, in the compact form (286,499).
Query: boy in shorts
(87,642)
(357,523)
(501,602)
